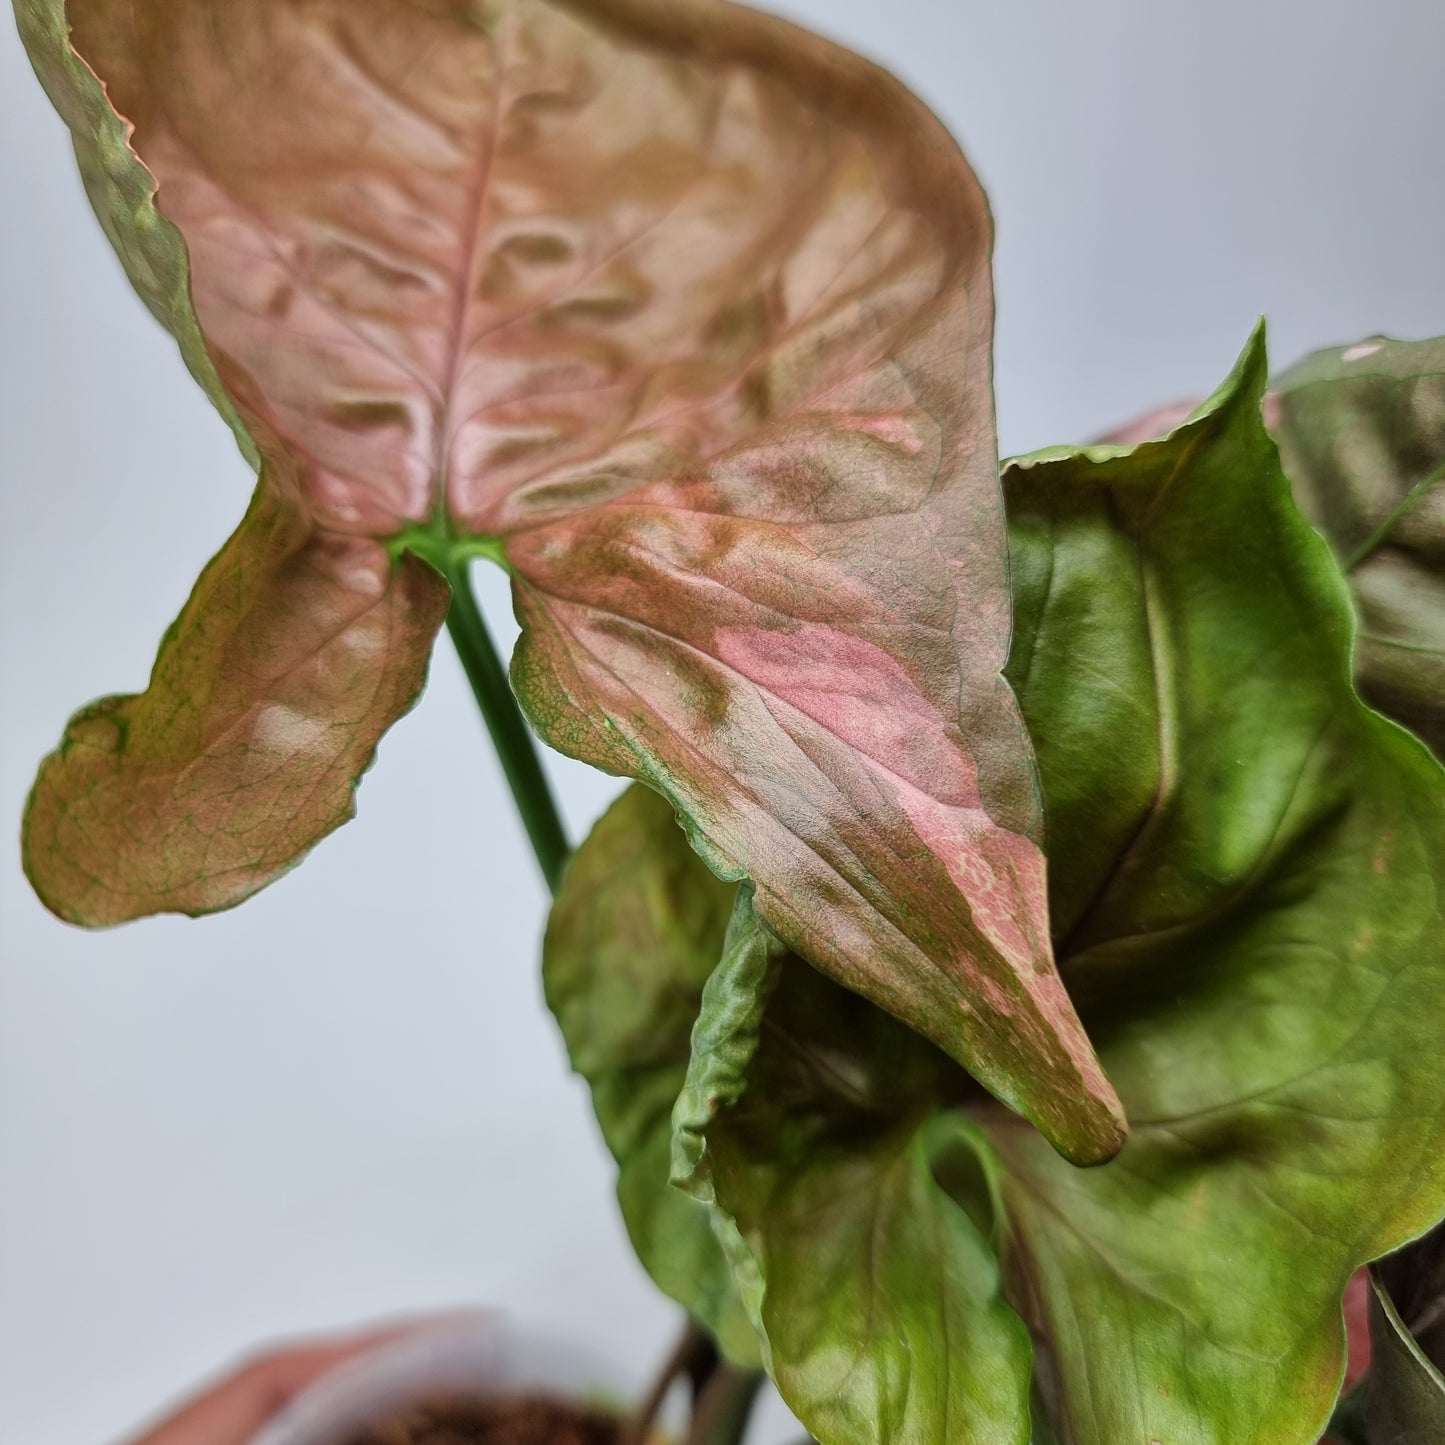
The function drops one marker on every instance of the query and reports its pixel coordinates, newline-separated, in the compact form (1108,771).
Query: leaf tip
(1093,1129)
(1247,380)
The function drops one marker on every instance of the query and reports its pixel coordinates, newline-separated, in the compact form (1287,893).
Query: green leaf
(1362,432)
(1255,939)
(1405,1391)
(858,1210)
(685,315)
(637,928)
(1244,863)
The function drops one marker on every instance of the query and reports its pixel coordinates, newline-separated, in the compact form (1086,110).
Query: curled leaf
(1361,430)
(1405,1390)
(819,1223)
(684,315)
(857,1209)
(637,927)
(1362,433)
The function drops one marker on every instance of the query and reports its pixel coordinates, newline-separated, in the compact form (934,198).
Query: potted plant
(1033,1023)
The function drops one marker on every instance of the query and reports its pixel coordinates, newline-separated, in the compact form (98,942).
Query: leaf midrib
(1161,670)
(1397,514)
(466,284)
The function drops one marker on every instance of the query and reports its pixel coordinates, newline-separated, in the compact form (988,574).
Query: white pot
(472,1356)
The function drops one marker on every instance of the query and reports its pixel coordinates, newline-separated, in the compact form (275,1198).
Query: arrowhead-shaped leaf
(1245,864)
(685,315)
(1362,433)
(1405,1390)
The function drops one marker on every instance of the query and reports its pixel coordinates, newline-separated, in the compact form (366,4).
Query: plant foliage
(1405,1391)
(1242,862)
(1362,432)
(681,314)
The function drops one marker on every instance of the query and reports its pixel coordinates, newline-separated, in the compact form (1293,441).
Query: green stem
(510,734)
(695,1357)
(721,1412)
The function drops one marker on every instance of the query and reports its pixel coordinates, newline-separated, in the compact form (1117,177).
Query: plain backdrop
(346,1098)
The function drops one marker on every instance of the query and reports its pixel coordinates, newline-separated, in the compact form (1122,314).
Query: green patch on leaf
(636,930)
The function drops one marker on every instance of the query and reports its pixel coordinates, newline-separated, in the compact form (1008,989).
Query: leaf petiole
(724,1406)
(510,733)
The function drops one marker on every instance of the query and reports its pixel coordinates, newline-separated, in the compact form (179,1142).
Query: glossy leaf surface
(1362,432)
(1245,866)
(1406,1387)
(685,315)
(637,928)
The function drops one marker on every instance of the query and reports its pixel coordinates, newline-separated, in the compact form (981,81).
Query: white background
(346,1099)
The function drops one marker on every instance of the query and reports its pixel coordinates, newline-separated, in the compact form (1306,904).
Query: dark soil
(526,1421)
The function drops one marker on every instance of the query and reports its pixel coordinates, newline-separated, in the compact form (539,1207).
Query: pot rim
(473,1355)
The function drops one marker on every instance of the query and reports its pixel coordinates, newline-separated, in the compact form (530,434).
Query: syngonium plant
(1009,805)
